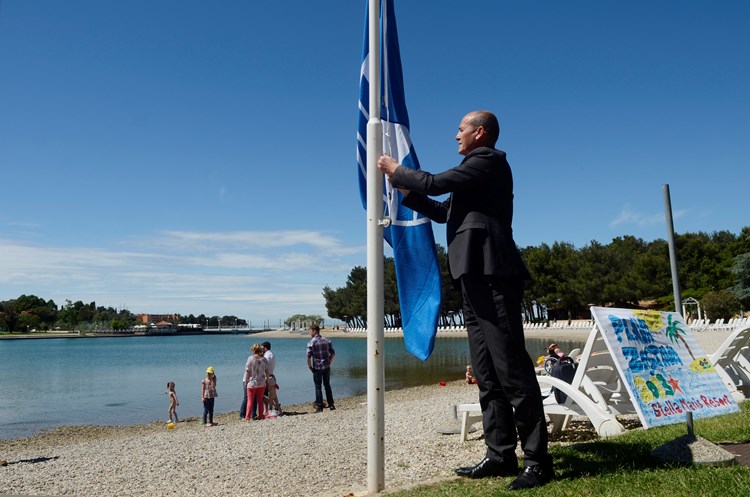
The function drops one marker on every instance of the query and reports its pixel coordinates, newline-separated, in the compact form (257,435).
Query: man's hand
(387,165)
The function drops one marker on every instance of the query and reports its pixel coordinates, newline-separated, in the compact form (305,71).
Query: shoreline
(712,337)
(226,460)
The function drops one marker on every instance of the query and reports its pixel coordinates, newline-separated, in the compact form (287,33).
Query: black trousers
(508,391)
(208,410)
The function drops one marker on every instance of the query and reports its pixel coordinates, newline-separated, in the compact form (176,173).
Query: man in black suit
(487,268)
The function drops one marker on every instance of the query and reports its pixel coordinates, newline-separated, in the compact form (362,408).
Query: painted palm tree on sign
(675,333)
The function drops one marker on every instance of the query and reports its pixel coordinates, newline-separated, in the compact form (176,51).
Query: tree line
(628,272)
(30,313)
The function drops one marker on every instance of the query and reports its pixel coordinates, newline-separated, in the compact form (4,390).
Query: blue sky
(199,157)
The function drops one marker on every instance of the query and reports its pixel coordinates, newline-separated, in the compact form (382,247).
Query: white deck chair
(596,392)
(573,354)
(469,414)
(732,361)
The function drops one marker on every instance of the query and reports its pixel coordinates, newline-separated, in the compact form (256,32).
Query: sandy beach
(303,452)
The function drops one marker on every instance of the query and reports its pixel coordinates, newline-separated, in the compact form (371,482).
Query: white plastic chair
(596,392)
(469,414)
(732,361)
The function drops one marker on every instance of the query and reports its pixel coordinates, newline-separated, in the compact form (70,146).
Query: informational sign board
(663,366)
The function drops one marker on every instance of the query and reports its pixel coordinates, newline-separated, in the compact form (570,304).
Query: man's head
(266,345)
(477,129)
(314,330)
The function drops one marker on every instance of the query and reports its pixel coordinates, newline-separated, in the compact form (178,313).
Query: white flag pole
(375,332)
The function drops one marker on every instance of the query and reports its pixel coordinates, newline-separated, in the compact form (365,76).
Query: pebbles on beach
(301,453)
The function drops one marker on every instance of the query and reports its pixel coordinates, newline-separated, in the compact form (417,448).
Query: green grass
(623,467)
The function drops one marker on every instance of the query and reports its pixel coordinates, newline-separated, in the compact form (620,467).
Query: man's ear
(481,134)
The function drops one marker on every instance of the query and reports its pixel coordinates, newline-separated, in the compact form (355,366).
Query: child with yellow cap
(208,394)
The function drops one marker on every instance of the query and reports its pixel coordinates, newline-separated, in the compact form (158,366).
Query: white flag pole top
(375,332)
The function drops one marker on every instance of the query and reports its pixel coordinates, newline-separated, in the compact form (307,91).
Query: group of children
(260,383)
(208,394)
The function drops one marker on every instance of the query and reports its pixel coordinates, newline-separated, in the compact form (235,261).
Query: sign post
(663,366)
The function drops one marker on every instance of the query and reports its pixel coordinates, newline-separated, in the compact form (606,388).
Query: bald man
(487,269)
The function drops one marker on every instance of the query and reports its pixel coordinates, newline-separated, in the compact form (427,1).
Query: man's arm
(476,169)
(437,211)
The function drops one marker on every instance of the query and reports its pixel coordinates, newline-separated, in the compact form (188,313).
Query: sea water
(47,383)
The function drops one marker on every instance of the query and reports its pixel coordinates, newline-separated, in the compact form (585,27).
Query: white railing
(699,325)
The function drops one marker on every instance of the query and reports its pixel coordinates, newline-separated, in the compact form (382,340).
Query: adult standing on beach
(271,365)
(487,268)
(208,395)
(269,356)
(320,354)
(243,406)
(256,376)
(270,396)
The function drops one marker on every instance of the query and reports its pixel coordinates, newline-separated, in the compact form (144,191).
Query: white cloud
(254,275)
(23,224)
(253,239)
(630,217)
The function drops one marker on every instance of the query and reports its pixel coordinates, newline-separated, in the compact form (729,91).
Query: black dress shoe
(489,467)
(532,476)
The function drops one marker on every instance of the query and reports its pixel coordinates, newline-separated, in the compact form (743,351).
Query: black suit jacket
(478,213)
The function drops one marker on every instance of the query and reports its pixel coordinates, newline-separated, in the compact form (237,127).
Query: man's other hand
(387,165)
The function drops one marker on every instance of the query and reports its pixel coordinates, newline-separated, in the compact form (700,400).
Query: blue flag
(410,233)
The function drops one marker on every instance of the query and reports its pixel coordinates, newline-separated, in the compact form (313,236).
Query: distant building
(155,318)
